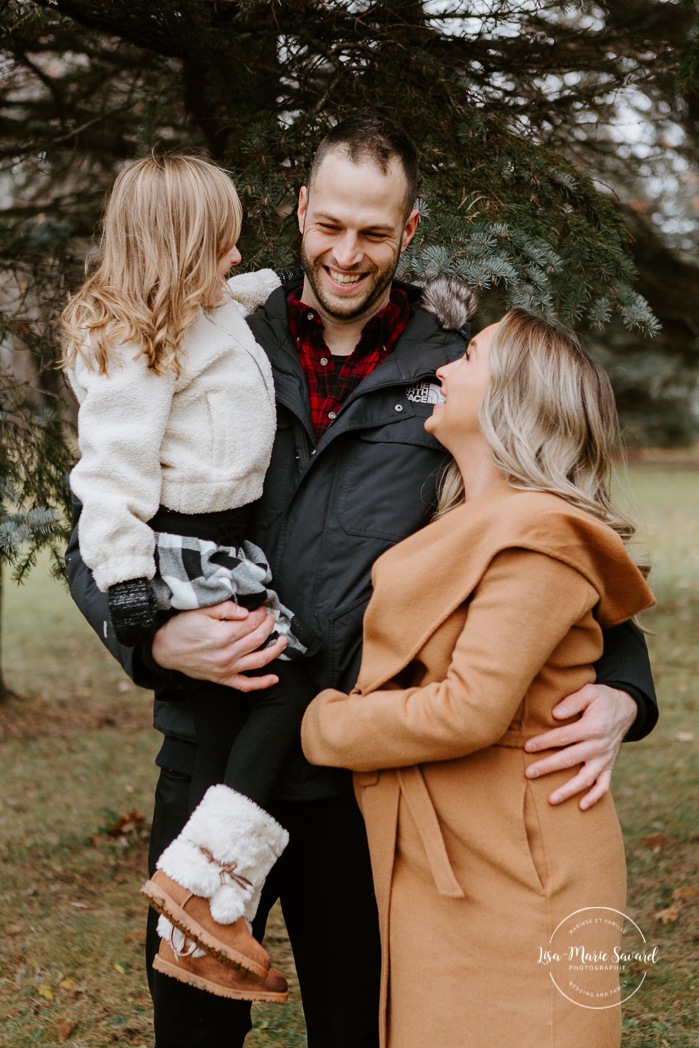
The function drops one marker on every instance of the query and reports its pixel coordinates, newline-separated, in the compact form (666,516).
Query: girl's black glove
(132,610)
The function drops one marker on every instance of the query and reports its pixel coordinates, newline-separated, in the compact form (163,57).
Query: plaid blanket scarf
(194,573)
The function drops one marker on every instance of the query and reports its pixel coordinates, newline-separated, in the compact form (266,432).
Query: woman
(478,626)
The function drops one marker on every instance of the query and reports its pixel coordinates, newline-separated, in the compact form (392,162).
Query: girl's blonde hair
(549,418)
(167,223)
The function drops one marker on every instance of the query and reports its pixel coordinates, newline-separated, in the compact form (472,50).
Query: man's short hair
(371,138)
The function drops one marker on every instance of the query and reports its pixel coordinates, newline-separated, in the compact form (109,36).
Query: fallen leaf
(656,841)
(79,905)
(65,1029)
(66,984)
(669,915)
(685,891)
(684,736)
(138,936)
(125,823)
(120,969)
(46,991)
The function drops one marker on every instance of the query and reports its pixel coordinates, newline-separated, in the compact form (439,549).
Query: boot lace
(180,944)
(227,869)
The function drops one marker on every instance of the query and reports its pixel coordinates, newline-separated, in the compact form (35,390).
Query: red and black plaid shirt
(328,383)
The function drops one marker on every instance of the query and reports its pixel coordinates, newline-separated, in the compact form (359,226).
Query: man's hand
(593,741)
(219,644)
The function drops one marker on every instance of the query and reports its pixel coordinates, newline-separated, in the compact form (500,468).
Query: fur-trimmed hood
(450,300)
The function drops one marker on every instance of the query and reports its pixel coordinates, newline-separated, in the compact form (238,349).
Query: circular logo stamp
(597,957)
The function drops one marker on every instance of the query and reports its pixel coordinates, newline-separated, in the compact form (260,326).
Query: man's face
(353,226)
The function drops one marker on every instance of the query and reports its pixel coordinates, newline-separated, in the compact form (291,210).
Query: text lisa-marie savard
(583,956)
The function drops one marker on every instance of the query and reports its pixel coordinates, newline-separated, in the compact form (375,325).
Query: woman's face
(464,383)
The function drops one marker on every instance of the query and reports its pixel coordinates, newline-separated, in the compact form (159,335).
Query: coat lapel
(420,583)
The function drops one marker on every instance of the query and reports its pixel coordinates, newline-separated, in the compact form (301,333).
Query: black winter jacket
(329,510)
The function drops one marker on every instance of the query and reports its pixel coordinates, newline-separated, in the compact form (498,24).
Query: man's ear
(303,204)
(409,229)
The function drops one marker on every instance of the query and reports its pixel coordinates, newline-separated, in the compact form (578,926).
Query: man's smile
(345,279)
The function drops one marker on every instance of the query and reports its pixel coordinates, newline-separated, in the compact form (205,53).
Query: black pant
(245,740)
(324,882)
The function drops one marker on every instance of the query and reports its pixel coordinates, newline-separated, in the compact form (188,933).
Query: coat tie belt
(416,795)
(421,808)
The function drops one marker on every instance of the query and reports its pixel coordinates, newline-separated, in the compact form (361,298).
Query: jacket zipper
(309,451)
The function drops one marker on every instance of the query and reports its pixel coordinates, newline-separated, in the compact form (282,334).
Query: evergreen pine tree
(34,461)
(512,106)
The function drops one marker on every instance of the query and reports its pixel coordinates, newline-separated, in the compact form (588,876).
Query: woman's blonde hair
(549,418)
(167,223)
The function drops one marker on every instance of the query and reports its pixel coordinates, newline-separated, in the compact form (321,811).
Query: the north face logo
(425,393)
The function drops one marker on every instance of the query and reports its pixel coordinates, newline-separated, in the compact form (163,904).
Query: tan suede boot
(210,877)
(206,973)
(231,944)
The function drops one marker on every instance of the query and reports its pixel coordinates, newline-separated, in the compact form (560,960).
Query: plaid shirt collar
(329,382)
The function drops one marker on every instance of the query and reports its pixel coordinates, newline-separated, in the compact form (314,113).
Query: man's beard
(382,279)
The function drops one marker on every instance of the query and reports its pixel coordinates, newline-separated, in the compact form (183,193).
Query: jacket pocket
(534,839)
(219,440)
(344,644)
(389,488)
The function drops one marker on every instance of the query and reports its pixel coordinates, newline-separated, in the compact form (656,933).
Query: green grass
(656,782)
(77,752)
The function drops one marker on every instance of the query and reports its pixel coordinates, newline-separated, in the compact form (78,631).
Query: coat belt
(414,791)
(416,795)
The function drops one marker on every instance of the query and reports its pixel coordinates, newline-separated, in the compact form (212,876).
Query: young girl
(176,425)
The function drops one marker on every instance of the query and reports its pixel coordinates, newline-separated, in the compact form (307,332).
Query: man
(353,471)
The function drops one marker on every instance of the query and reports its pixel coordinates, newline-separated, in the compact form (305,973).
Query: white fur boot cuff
(225,852)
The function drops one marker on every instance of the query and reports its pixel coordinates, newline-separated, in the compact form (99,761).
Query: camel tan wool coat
(479,624)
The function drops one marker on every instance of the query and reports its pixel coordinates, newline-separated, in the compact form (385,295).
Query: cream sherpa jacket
(196,444)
